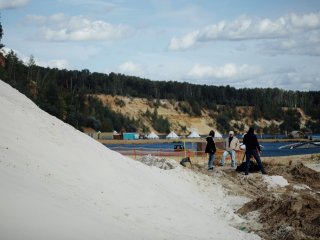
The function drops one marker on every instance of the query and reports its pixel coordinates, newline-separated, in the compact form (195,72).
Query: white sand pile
(275,181)
(58,183)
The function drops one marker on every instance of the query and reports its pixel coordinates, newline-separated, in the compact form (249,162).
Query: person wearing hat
(231,145)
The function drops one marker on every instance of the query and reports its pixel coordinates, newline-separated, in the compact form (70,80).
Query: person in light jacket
(231,145)
(210,149)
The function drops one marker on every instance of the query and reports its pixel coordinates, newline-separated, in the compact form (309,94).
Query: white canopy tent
(172,134)
(194,134)
(217,134)
(152,135)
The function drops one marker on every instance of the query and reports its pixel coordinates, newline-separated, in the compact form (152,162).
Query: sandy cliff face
(181,121)
(136,107)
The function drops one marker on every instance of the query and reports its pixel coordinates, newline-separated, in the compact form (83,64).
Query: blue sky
(244,44)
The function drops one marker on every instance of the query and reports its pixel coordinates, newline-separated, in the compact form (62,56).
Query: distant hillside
(142,110)
(182,122)
(112,101)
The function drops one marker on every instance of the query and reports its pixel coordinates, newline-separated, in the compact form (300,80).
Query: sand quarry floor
(284,211)
(275,212)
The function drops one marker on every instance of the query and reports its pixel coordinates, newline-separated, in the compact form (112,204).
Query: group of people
(231,145)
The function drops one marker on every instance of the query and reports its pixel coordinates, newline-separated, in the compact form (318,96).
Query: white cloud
(227,71)
(59,27)
(10,4)
(53,20)
(54,63)
(184,43)
(58,63)
(303,81)
(288,79)
(284,78)
(245,28)
(130,68)
(20,55)
(102,5)
(306,44)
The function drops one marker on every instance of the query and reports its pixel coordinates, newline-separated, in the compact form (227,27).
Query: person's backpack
(253,167)
(184,161)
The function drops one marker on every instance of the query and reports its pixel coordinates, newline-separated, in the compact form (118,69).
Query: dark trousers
(256,156)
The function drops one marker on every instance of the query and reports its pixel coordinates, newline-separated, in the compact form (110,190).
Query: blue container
(130,136)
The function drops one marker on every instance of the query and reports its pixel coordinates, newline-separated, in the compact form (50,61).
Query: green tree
(1,35)
(161,124)
(223,122)
(196,108)
(291,121)
(64,93)
(148,114)
(31,65)
(314,126)
(106,125)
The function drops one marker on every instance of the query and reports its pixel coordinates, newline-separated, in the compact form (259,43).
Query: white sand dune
(58,183)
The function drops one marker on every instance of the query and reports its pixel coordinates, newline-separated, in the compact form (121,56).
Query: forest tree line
(67,94)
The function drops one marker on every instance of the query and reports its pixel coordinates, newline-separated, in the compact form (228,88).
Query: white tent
(152,135)
(172,134)
(217,134)
(194,134)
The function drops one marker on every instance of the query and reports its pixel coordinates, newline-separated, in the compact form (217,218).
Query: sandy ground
(287,212)
(285,203)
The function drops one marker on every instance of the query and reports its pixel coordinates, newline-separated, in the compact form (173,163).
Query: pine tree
(1,34)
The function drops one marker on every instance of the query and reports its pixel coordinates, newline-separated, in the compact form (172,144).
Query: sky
(244,44)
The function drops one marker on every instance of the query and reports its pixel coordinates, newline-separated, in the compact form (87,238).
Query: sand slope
(58,183)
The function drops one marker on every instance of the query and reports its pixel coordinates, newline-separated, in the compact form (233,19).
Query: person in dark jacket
(252,149)
(210,149)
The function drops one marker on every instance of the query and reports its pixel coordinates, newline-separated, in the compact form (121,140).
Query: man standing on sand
(210,149)
(231,145)
(252,149)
